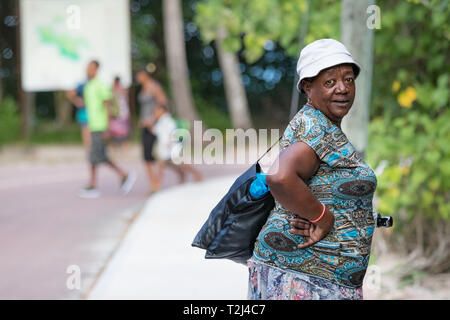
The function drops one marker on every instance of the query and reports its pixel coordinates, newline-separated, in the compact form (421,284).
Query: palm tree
(176,60)
(358,38)
(234,88)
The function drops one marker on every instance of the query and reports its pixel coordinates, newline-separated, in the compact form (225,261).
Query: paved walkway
(46,228)
(156,260)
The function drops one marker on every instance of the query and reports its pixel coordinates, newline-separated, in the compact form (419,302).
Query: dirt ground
(384,281)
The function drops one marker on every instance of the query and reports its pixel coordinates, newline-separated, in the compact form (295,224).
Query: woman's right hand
(319,230)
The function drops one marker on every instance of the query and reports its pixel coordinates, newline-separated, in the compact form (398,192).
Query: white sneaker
(128,182)
(89,193)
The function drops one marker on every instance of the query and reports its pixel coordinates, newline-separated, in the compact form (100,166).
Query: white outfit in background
(165,140)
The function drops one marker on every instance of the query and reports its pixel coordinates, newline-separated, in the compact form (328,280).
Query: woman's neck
(336,122)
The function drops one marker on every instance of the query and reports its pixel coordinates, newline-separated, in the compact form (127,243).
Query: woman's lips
(341,103)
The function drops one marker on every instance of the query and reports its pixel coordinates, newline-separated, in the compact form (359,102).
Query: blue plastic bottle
(259,187)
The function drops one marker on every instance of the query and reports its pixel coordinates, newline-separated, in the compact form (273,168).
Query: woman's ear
(306,86)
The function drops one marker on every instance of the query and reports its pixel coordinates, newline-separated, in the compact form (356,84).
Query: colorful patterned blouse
(345,184)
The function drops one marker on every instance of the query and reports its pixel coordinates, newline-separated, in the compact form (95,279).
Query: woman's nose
(341,87)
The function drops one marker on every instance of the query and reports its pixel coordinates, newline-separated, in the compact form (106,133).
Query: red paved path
(45,227)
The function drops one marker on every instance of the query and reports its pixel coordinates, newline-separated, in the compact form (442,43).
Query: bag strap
(270,148)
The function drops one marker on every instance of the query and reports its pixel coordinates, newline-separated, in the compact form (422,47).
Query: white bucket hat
(322,54)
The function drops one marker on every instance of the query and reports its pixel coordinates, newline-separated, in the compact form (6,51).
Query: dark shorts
(148,141)
(97,153)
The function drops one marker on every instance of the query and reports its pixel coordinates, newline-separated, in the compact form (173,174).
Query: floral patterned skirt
(271,283)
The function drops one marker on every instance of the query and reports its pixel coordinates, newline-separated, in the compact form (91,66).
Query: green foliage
(9,121)
(252,23)
(324,21)
(47,132)
(145,48)
(411,49)
(416,179)
(212,116)
(411,89)
(410,130)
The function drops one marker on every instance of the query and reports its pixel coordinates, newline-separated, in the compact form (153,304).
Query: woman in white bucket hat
(316,241)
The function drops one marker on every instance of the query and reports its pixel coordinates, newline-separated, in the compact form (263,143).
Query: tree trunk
(234,88)
(1,83)
(301,42)
(28,107)
(63,109)
(176,60)
(358,38)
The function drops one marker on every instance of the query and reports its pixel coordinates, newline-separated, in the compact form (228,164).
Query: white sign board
(60,37)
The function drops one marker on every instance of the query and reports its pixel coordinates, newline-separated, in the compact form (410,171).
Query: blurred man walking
(97,97)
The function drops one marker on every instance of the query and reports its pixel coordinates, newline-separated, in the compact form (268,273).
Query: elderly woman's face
(332,91)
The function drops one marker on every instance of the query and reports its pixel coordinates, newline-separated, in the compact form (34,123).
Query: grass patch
(49,133)
(212,116)
(9,121)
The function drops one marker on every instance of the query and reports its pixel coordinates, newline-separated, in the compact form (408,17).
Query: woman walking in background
(119,124)
(151,94)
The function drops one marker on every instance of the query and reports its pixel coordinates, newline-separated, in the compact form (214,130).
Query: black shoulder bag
(233,225)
